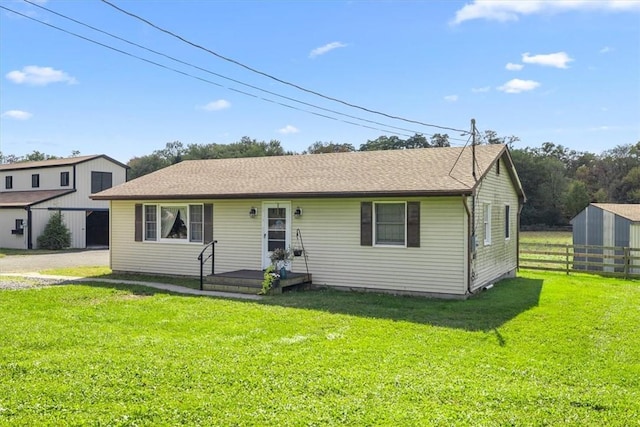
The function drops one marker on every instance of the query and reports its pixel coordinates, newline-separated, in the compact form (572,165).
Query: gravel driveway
(33,263)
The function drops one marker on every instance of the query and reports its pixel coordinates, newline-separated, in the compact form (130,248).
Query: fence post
(627,261)
(566,257)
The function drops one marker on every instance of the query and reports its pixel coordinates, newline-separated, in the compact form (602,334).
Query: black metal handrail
(202,260)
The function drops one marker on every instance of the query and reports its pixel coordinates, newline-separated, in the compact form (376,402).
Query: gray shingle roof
(428,171)
(20,199)
(629,211)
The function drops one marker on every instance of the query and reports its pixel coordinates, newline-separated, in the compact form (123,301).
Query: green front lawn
(544,349)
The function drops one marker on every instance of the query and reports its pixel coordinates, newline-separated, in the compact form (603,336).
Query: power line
(217,74)
(240,64)
(197,77)
(242,83)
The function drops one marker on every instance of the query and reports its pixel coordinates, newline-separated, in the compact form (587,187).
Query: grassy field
(543,349)
(553,237)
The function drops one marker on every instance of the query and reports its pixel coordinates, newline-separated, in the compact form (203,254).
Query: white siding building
(31,191)
(406,221)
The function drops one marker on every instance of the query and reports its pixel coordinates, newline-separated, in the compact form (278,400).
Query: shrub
(56,235)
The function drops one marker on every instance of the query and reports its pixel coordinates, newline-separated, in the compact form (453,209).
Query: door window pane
(277,226)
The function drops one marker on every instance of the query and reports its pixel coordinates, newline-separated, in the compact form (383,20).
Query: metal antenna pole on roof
(473,149)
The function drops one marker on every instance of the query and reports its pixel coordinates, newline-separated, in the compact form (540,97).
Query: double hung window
(487,223)
(390,224)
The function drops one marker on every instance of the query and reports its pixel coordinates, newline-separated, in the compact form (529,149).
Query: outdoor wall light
(298,212)
(253,212)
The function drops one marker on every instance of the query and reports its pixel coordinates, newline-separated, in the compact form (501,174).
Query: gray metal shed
(606,224)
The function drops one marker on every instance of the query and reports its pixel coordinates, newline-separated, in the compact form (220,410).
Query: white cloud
(514,67)
(481,89)
(288,129)
(220,104)
(39,76)
(17,115)
(451,98)
(326,48)
(518,85)
(558,59)
(510,10)
(605,49)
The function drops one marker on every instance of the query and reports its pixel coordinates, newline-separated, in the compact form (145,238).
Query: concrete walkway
(163,286)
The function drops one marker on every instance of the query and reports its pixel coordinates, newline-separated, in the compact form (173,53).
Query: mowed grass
(104,272)
(543,349)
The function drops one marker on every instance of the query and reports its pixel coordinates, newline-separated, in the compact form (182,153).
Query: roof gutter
(293,195)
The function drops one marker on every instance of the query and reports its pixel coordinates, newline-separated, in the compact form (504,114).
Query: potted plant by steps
(279,258)
(271,280)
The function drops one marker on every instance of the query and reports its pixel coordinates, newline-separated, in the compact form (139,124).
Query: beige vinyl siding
(239,236)
(330,229)
(500,256)
(170,258)
(7,223)
(331,234)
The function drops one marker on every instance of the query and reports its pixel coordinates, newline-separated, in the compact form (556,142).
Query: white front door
(276,228)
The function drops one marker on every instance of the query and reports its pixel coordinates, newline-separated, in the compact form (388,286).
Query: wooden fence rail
(619,261)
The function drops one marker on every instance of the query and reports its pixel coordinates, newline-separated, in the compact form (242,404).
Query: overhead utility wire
(196,77)
(233,61)
(220,75)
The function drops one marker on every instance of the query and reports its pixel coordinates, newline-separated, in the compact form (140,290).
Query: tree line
(558,182)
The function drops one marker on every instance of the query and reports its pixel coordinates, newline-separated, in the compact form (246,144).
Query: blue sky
(567,72)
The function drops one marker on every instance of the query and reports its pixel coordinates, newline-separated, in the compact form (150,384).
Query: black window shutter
(138,222)
(366,224)
(208,222)
(413,224)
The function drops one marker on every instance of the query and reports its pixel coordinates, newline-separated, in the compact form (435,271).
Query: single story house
(612,227)
(431,221)
(31,191)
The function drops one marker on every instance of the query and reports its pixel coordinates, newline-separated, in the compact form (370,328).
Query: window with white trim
(390,223)
(173,222)
(487,223)
(507,222)
(150,222)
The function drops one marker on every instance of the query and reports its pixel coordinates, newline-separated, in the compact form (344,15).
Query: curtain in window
(172,222)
